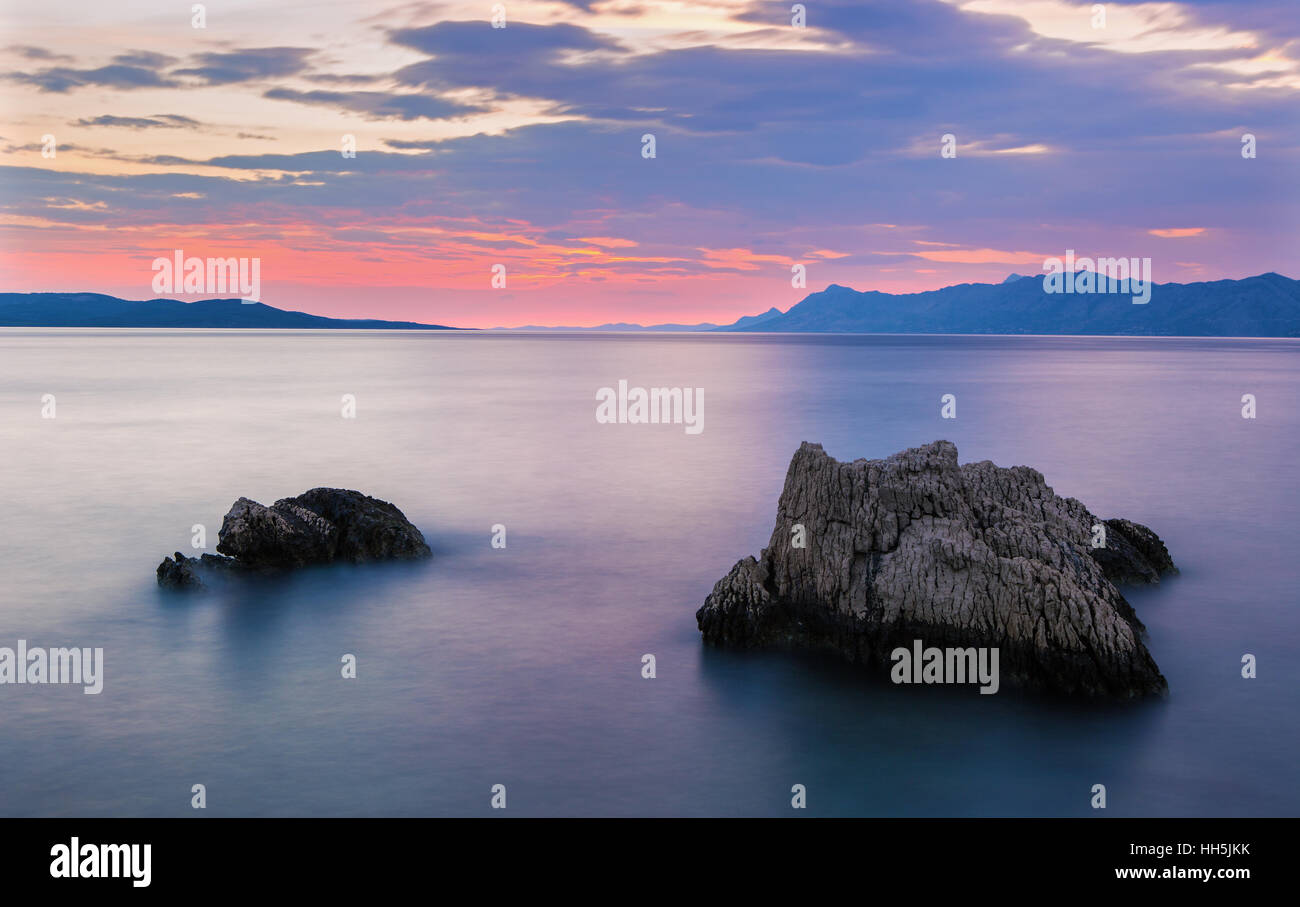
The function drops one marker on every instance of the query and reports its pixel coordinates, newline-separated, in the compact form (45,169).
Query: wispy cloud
(378,105)
(157,121)
(248,65)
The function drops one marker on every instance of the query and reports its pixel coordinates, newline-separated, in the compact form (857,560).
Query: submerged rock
(1133,554)
(321,526)
(185,572)
(179,573)
(916,547)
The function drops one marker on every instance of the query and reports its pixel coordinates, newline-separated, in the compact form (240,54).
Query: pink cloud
(1177,232)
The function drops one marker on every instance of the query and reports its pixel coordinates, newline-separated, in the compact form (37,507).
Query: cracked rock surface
(915,546)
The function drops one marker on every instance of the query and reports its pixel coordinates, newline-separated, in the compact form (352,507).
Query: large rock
(320,526)
(917,547)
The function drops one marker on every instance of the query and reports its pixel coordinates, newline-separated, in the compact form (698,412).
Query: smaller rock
(321,526)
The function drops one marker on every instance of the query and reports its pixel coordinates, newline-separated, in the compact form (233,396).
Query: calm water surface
(522,666)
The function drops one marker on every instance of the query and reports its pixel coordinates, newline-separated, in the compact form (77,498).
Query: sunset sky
(522,146)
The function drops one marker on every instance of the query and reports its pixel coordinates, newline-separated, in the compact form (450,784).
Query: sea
(520,666)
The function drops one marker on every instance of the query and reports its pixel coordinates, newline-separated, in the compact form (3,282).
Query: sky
(1111,129)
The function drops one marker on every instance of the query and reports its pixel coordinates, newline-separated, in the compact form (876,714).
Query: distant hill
(743,321)
(1267,305)
(95,310)
(616,326)
(752,322)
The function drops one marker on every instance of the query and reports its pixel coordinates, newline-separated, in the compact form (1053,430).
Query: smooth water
(522,666)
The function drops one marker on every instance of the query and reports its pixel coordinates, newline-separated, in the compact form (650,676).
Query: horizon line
(632,327)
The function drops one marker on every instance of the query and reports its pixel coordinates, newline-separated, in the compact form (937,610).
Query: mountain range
(95,310)
(1266,305)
